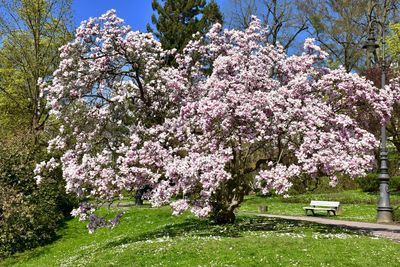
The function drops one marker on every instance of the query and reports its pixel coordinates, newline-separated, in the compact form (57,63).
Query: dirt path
(391,231)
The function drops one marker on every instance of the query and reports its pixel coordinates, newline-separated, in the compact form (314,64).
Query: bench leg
(312,211)
(333,212)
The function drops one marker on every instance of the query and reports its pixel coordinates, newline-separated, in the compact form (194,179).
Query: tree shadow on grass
(193,227)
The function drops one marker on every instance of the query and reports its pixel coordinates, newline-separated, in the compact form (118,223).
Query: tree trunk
(224,217)
(138,197)
(140,193)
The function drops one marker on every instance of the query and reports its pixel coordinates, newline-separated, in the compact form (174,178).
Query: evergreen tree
(177,20)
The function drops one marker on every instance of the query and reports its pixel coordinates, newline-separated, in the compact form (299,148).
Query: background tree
(342,27)
(393,41)
(284,22)
(177,20)
(382,15)
(31,33)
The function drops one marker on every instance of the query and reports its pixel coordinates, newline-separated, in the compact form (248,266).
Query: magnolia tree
(236,113)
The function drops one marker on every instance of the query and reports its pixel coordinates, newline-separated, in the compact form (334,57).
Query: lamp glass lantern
(371,44)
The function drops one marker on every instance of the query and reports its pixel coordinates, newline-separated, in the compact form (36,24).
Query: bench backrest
(332,204)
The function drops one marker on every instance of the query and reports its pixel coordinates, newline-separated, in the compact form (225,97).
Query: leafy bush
(394,183)
(396,214)
(29,214)
(25,223)
(52,191)
(369,183)
(321,185)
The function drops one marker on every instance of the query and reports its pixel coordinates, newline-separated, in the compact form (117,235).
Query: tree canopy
(177,20)
(197,136)
(285,23)
(31,33)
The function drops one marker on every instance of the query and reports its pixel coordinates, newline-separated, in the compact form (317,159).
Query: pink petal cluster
(233,107)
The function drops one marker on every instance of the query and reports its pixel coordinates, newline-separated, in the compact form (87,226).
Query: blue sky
(136,13)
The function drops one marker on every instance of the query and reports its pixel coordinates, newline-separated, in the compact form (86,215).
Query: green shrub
(394,183)
(307,184)
(396,214)
(25,224)
(29,214)
(369,183)
(52,190)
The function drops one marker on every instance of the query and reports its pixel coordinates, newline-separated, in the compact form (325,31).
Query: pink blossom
(235,108)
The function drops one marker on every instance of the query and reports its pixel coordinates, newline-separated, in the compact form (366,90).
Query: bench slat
(325,203)
(314,208)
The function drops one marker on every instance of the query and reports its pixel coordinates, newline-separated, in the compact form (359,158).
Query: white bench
(328,206)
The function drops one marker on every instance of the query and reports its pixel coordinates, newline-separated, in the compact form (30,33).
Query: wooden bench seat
(328,206)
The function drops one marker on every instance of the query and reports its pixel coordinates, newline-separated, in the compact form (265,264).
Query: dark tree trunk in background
(139,194)
(224,217)
(138,198)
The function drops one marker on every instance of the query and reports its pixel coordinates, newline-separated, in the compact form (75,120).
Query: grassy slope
(153,237)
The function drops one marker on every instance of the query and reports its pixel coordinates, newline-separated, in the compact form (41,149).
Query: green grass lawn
(153,237)
(356,205)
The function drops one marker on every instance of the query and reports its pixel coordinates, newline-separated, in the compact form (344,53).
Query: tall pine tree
(177,20)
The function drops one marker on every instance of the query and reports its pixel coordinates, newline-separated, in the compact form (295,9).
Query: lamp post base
(385,215)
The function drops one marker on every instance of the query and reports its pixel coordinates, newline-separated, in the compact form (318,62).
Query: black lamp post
(385,211)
